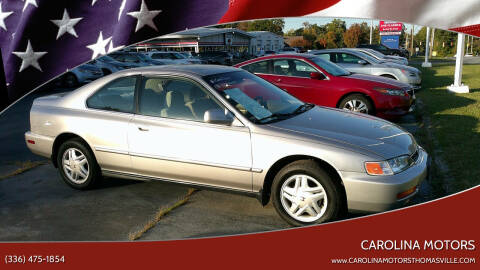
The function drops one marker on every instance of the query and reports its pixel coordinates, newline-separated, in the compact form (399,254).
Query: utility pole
(371,31)
(433,42)
(411,43)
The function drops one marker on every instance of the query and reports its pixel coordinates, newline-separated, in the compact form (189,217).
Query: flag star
(29,57)
(3,16)
(99,47)
(122,7)
(31,2)
(144,17)
(66,24)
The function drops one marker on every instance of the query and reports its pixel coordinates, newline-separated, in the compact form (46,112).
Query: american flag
(42,39)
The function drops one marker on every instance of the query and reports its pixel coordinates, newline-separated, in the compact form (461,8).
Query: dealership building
(265,41)
(202,39)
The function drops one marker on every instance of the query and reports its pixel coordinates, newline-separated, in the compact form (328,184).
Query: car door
(109,112)
(353,63)
(169,139)
(293,75)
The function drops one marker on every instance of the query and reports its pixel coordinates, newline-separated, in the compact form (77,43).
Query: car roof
(198,70)
(285,55)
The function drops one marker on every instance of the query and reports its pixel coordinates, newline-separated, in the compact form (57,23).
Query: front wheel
(357,103)
(77,165)
(303,193)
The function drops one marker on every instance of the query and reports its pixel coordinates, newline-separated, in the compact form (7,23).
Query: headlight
(409,73)
(388,167)
(390,92)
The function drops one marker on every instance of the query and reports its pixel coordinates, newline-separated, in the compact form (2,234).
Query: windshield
(368,58)
(179,56)
(377,53)
(330,67)
(143,57)
(107,58)
(257,99)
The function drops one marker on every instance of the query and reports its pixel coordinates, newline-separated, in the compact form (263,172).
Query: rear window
(116,96)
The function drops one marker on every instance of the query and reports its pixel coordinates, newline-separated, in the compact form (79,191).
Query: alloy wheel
(356,105)
(75,165)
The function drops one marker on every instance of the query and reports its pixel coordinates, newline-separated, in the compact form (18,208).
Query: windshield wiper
(300,109)
(303,107)
(275,115)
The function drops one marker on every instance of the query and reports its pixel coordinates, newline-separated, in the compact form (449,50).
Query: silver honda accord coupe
(221,127)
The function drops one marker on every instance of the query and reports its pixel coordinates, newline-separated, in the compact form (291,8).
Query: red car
(315,80)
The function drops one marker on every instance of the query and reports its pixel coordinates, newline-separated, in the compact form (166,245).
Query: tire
(289,180)
(70,80)
(87,166)
(357,103)
(106,71)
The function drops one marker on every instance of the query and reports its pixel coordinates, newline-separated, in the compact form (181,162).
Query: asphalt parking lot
(37,206)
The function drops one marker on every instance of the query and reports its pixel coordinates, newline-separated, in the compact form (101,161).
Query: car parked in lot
(382,57)
(386,50)
(80,75)
(171,57)
(217,57)
(225,128)
(313,79)
(359,62)
(109,65)
(135,59)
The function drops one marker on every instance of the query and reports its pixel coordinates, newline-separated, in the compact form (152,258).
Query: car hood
(400,66)
(379,79)
(350,130)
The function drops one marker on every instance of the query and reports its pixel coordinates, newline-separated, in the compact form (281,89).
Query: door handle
(142,128)
(279,80)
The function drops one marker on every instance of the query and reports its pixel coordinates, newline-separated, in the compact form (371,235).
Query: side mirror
(362,62)
(317,76)
(218,116)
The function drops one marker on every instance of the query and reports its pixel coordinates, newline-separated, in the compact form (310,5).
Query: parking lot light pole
(427,50)
(457,85)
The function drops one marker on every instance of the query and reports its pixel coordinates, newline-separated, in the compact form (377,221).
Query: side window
(280,67)
(303,69)
(175,98)
(258,67)
(324,56)
(116,96)
(348,58)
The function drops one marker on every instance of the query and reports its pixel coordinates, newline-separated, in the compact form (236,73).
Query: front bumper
(39,144)
(366,193)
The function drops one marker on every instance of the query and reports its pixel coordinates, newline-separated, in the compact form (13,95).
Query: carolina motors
(415,245)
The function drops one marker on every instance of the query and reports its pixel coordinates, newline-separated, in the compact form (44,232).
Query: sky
(295,23)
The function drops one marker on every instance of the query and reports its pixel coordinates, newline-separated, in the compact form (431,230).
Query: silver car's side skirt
(141,177)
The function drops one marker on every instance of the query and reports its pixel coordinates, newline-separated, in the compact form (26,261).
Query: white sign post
(427,50)
(457,85)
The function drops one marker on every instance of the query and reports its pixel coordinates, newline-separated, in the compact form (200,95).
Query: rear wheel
(77,165)
(357,103)
(70,80)
(106,71)
(303,193)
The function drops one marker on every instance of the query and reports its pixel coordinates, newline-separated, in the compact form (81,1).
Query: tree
(352,36)
(273,25)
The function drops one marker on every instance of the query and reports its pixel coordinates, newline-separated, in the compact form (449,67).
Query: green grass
(455,121)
